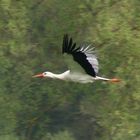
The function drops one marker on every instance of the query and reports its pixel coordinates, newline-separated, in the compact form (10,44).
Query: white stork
(85,67)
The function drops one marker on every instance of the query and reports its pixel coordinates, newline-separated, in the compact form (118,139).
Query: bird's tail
(113,80)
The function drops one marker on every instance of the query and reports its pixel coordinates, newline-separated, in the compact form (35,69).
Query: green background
(31,33)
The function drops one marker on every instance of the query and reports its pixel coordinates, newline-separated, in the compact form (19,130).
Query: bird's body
(83,61)
(75,77)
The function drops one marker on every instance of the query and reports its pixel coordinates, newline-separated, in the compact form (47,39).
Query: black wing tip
(65,42)
(68,44)
(65,37)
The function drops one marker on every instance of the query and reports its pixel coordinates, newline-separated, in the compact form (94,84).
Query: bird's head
(44,74)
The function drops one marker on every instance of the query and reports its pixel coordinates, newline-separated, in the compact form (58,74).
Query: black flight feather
(79,56)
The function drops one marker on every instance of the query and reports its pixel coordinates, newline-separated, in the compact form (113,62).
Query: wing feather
(83,55)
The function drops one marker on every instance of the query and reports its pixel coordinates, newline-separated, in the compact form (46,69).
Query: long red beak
(39,75)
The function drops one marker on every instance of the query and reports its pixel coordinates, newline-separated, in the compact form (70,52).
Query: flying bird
(84,64)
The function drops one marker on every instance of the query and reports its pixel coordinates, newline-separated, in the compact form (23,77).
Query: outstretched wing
(84,56)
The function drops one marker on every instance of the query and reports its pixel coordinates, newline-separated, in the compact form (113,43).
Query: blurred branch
(37,4)
(93,12)
(98,9)
(103,43)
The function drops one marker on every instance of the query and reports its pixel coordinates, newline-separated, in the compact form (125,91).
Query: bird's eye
(45,73)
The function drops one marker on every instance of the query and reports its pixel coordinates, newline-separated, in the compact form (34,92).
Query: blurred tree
(31,37)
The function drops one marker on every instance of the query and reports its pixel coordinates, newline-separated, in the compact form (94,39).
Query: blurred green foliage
(42,109)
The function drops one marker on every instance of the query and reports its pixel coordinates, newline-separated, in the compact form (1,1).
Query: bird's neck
(60,76)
